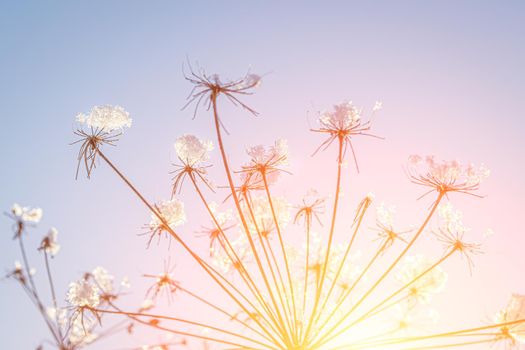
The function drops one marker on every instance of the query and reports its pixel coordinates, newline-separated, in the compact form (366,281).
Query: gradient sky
(450,74)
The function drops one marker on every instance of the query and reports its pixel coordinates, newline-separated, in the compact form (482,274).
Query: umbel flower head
(206,88)
(22,217)
(514,333)
(83,293)
(49,242)
(342,124)
(266,162)
(445,176)
(191,152)
(102,125)
(169,215)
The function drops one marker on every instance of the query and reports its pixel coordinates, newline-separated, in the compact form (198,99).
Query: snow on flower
(83,294)
(192,150)
(274,155)
(172,212)
(106,118)
(343,116)
(103,279)
(446,175)
(49,242)
(26,214)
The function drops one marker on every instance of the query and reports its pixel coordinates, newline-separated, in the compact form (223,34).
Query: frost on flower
(49,242)
(514,311)
(192,150)
(83,294)
(172,212)
(276,154)
(342,117)
(106,118)
(103,279)
(266,161)
(26,214)
(445,176)
(429,283)
(80,333)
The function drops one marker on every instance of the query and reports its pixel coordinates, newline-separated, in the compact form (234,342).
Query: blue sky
(450,74)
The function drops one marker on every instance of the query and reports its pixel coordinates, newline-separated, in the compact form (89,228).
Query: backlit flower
(107,118)
(192,150)
(515,311)
(26,214)
(49,242)
(342,124)
(423,283)
(445,176)
(172,214)
(82,293)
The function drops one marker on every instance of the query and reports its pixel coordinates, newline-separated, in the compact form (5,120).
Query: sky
(450,75)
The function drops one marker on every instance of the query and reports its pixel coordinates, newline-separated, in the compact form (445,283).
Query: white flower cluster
(274,155)
(431,282)
(103,280)
(173,213)
(83,293)
(263,213)
(49,243)
(450,172)
(106,118)
(26,214)
(514,311)
(343,116)
(191,150)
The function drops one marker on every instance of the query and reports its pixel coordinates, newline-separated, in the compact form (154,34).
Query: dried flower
(82,294)
(106,118)
(49,242)
(342,124)
(192,150)
(445,176)
(422,283)
(26,214)
(172,214)
(515,311)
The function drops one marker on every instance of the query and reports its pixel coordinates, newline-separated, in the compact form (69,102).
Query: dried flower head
(98,128)
(171,214)
(423,282)
(312,207)
(266,162)
(513,333)
(191,151)
(49,242)
(445,176)
(26,214)
(206,88)
(342,124)
(106,118)
(82,294)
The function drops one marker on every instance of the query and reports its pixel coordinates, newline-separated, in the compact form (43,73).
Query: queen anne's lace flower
(385,215)
(103,279)
(260,207)
(49,242)
(343,116)
(431,282)
(273,155)
(26,214)
(191,150)
(446,176)
(106,118)
(514,311)
(173,213)
(83,294)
